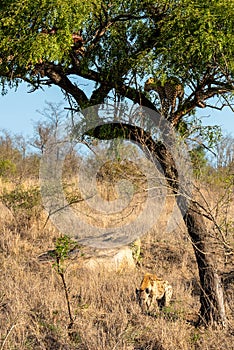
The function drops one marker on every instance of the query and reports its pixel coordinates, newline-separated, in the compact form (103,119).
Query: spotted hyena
(154,293)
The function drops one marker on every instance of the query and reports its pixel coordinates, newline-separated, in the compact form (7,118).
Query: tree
(117,45)
(53,117)
(225,152)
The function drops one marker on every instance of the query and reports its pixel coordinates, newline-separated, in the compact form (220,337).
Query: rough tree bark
(212,309)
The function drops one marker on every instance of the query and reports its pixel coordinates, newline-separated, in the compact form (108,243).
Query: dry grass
(33,311)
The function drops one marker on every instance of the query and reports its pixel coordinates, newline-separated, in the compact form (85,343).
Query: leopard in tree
(154,293)
(168,92)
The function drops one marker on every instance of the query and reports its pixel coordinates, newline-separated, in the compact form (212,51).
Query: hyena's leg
(168,294)
(154,300)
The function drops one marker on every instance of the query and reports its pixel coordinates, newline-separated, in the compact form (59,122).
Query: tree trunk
(212,309)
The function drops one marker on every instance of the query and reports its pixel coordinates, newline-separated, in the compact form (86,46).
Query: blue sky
(19,110)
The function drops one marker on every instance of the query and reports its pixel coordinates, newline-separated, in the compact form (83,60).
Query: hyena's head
(145,293)
(144,299)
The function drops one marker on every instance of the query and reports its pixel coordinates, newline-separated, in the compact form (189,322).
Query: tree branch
(197,99)
(136,96)
(59,78)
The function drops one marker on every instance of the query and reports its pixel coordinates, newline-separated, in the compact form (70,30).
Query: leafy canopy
(26,32)
(116,44)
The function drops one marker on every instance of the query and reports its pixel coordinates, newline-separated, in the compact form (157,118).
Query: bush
(7,168)
(25,204)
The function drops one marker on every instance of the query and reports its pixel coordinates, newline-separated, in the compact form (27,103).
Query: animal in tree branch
(78,43)
(168,91)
